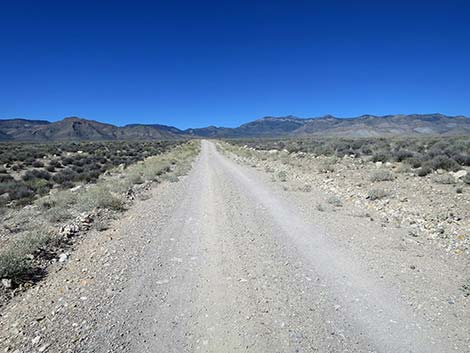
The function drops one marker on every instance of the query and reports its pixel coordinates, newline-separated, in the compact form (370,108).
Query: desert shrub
(382,175)
(86,166)
(415,161)
(16,190)
(381,156)
(78,169)
(37,164)
(465,288)
(414,151)
(17,167)
(462,159)
(29,161)
(423,171)
(58,214)
(443,179)
(327,165)
(55,163)
(39,186)
(282,176)
(4,178)
(135,177)
(335,201)
(36,174)
(156,168)
(67,161)
(65,176)
(466,179)
(377,194)
(13,261)
(403,168)
(444,162)
(402,155)
(268,169)
(101,197)
(170,177)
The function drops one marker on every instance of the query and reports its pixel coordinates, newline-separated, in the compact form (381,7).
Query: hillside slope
(289,126)
(74,128)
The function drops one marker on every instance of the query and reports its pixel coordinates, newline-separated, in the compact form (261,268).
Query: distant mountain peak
(75,128)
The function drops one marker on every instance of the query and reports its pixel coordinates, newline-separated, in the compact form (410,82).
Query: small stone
(63,257)
(459,174)
(413,267)
(69,230)
(6,283)
(43,348)
(36,340)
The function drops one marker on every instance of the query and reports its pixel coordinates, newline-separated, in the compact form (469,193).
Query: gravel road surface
(225,261)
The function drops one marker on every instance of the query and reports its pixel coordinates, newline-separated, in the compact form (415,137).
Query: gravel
(225,260)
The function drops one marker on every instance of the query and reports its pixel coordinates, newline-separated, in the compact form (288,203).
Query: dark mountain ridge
(74,128)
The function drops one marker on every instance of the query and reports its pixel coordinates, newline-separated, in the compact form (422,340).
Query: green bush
(14,263)
(101,197)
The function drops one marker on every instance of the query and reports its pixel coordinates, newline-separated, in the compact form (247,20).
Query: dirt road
(223,261)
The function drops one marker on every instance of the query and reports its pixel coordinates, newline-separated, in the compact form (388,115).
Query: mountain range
(74,128)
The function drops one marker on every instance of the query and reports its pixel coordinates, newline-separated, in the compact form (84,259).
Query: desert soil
(225,260)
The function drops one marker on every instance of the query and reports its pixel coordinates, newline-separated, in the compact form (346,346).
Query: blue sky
(198,63)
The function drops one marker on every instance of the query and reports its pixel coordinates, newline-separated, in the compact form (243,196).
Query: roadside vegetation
(29,170)
(419,184)
(424,154)
(40,233)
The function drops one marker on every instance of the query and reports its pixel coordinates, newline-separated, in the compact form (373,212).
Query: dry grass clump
(327,165)
(15,259)
(335,201)
(382,175)
(377,194)
(101,196)
(466,179)
(18,257)
(446,179)
(282,176)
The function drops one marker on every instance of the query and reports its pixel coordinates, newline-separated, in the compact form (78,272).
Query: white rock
(69,230)
(43,348)
(460,174)
(6,282)
(63,257)
(36,340)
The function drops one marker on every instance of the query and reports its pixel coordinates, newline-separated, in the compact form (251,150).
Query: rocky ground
(36,237)
(232,259)
(434,208)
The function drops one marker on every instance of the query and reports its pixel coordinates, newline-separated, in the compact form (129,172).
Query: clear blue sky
(196,63)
